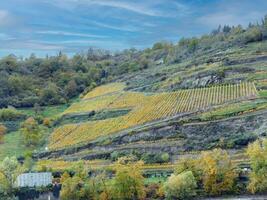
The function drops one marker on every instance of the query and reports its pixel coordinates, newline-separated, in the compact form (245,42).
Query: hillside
(214,100)
(160,105)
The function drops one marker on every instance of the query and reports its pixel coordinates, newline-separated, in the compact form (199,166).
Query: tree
(257,153)
(9,170)
(190,164)
(72,188)
(51,95)
(181,186)
(71,89)
(31,132)
(218,172)
(28,163)
(37,109)
(3,130)
(129,182)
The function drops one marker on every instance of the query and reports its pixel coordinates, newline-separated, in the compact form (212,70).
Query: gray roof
(34,179)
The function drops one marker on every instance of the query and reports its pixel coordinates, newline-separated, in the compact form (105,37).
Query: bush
(150,158)
(181,186)
(10,114)
(3,131)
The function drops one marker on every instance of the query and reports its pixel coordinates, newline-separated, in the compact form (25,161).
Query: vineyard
(144,109)
(105,89)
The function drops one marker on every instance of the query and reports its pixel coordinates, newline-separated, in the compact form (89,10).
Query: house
(34,179)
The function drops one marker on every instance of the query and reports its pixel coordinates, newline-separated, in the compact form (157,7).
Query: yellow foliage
(257,153)
(145,109)
(218,171)
(105,89)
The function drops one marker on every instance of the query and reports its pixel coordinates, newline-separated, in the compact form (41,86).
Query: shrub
(181,186)
(47,122)
(10,114)
(150,158)
(31,132)
(257,153)
(3,130)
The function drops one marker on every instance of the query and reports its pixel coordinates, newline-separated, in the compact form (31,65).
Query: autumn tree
(257,153)
(190,164)
(128,181)
(31,132)
(218,172)
(181,186)
(80,186)
(3,130)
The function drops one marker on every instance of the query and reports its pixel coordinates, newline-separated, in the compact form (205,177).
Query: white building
(34,179)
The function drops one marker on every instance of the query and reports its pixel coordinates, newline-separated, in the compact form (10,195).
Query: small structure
(34,179)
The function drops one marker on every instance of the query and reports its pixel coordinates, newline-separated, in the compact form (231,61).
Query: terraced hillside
(213,97)
(144,108)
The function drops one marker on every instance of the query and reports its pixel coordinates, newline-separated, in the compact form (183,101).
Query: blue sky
(48,26)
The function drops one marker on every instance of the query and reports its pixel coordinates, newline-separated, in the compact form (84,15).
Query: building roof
(34,179)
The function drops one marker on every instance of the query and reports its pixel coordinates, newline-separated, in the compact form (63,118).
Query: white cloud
(65,33)
(29,44)
(115,27)
(148,8)
(130,6)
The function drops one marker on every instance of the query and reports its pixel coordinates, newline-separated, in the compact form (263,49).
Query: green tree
(128,182)
(51,95)
(181,186)
(257,153)
(71,89)
(9,170)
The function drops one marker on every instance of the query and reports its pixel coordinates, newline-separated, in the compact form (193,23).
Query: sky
(72,26)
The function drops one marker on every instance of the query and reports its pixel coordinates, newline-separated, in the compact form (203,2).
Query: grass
(48,111)
(263,93)
(234,109)
(12,145)
(155,180)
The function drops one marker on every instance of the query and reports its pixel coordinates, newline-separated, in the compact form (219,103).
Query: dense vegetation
(212,173)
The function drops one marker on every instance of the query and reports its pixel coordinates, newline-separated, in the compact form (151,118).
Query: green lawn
(12,145)
(48,111)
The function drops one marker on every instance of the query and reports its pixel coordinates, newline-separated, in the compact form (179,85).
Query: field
(12,146)
(145,108)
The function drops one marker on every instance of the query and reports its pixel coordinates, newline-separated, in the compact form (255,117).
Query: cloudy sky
(47,26)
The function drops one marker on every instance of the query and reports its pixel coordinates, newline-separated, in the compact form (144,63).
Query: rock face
(176,138)
(202,81)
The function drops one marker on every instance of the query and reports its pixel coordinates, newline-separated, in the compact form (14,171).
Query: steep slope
(214,97)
